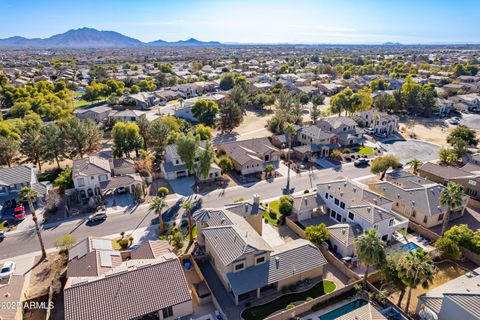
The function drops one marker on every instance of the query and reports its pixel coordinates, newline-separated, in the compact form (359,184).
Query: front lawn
(263,311)
(274,206)
(270,218)
(366,151)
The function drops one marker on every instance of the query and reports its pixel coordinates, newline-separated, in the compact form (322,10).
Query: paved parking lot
(412,149)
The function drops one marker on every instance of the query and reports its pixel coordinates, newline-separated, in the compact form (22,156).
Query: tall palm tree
(415,268)
(451,197)
(391,276)
(415,164)
(290,131)
(157,205)
(370,250)
(27,193)
(187,205)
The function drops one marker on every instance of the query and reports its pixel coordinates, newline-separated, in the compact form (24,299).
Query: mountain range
(92,38)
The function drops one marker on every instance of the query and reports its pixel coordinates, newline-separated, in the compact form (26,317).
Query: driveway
(182,186)
(412,149)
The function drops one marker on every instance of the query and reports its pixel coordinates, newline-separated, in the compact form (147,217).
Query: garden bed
(263,311)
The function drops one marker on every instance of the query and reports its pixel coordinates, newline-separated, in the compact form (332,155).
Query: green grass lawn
(80,103)
(194,231)
(365,151)
(2,225)
(274,205)
(271,220)
(263,311)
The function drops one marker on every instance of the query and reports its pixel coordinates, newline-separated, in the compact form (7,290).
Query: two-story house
(14,178)
(416,198)
(344,127)
(245,263)
(95,175)
(347,202)
(312,142)
(379,122)
(251,156)
(173,167)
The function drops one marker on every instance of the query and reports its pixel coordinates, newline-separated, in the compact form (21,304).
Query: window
(333,214)
(390,223)
(326,195)
(414,213)
(337,202)
(375,226)
(239,266)
(259,260)
(342,205)
(176,161)
(81,182)
(339,218)
(103,177)
(425,220)
(167,312)
(351,216)
(440,217)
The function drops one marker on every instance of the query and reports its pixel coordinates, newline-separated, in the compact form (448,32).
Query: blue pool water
(334,314)
(410,246)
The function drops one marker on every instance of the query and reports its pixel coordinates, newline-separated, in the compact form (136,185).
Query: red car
(19,212)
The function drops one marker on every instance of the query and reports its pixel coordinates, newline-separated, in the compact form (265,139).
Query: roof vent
(341,194)
(277,259)
(354,189)
(413,203)
(222,220)
(344,231)
(246,207)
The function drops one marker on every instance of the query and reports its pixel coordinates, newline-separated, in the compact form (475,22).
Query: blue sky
(266,21)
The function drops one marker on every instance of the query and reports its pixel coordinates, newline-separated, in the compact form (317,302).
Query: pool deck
(415,238)
(317,314)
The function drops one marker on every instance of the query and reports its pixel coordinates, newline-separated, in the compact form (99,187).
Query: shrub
(272,214)
(290,306)
(448,248)
(184,223)
(346,151)
(178,240)
(306,191)
(65,242)
(123,243)
(162,191)
(239,200)
(281,220)
(317,234)
(309,298)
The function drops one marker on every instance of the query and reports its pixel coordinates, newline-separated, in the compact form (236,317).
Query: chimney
(256,199)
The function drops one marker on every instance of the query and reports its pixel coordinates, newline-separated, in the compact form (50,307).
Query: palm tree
(451,196)
(290,131)
(415,164)
(27,193)
(187,205)
(370,250)
(157,205)
(391,276)
(415,268)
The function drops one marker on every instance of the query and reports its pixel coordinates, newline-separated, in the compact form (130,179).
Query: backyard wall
(307,306)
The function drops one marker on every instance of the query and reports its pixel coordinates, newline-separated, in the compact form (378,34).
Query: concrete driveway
(412,149)
(182,186)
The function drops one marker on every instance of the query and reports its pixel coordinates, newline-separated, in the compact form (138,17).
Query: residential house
(245,263)
(330,89)
(143,100)
(118,281)
(251,156)
(11,291)
(14,178)
(444,106)
(380,122)
(173,167)
(457,299)
(127,115)
(468,176)
(313,142)
(97,114)
(470,102)
(260,86)
(95,175)
(347,202)
(344,127)
(415,198)
(306,206)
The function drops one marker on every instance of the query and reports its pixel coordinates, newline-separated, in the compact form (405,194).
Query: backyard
(263,311)
(446,272)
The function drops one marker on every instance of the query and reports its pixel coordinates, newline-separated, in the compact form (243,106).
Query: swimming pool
(334,314)
(410,246)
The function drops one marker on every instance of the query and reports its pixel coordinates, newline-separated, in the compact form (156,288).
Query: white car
(3,233)
(7,269)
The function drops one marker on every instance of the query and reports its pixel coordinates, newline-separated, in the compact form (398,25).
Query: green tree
(157,205)
(187,206)
(187,149)
(64,179)
(27,193)
(226,164)
(227,81)
(32,147)
(229,117)
(451,196)
(205,111)
(370,250)
(204,132)
(391,275)
(239,96)
(315,113)
(126,138)
(415,268)
(205,159)
(344,101)
(382,164)
(81,136)
(317,234)
(9,149)
(53,141)
(463,133)
(448,248)
(65,242)
(415,164)
(162,191)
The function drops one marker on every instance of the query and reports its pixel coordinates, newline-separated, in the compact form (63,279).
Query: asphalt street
(21,243)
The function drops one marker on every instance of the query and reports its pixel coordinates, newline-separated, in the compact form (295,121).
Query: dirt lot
(43,273)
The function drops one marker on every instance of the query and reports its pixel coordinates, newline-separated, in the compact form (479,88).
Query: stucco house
(344,127)
(379,122)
